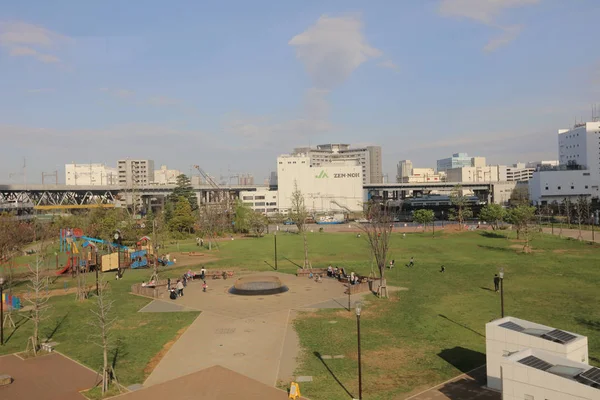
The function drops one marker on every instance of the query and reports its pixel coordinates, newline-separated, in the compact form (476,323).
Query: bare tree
(568,208)
(102,322)
(582,211)
(298,214)
(377,233)
(39,302)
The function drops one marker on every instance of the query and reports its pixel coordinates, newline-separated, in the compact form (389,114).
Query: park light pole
(501,276)
(1,312)
(552,220)
(442,219)
(275,240)
(358,307)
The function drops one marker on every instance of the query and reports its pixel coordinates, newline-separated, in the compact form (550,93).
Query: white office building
(406,173)
(509,335)
(261,200)
(539,374)
(165,176)
(135,173)
(488,173)
(328,187)
(90,175)
(368,157)
(548,186)
(581,145)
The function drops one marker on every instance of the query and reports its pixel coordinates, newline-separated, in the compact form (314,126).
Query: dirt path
(574,234)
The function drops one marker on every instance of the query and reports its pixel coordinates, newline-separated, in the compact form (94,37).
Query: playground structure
(83,252)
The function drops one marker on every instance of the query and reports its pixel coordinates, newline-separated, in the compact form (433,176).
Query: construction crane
(207,177)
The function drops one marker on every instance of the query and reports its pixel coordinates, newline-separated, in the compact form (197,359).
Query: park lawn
(138,337)
(419,337)
(435,329)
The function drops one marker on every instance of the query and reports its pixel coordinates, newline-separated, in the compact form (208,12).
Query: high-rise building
(369,157)
(165,176)
(459,160)
(136,172)
(581,145)
(90,175)
(405,168)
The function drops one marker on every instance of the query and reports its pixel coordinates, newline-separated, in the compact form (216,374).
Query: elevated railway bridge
(26,198)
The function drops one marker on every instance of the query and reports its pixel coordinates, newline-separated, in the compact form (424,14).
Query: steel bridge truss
(40,198)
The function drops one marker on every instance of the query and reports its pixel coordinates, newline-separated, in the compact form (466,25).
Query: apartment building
(135,172)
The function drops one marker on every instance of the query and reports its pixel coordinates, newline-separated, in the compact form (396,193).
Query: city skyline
(232,86)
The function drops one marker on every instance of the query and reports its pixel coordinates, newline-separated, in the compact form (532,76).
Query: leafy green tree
(461,210)
(241,218)
(521,217)
(183,217)
(493,214)
(424,217)
(184,189)
(519,196)
(257,223)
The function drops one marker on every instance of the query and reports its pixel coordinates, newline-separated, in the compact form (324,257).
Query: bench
(314,271)
(214,274)
(364,286)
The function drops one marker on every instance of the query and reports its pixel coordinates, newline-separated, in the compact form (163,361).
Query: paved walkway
(49,377)
(247,334)
(574,233)
(469,386)
(215,383)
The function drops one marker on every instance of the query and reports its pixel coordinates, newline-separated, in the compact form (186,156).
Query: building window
(260,203)
(586,186)
(572,187)
(559,188)
(259,198)
(546,187)
(247,198)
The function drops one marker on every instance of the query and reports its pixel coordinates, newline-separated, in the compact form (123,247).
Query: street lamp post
(434,225)
(442,219)
(275,240)
(552,220)
(501,276)
(1,312)
(358,309)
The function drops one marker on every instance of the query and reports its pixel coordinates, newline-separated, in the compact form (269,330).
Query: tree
(568,209)
(241,218)
(493,214)
(461,210)
(183,219)
(184,189)
(257,223)
(298,214)
(582,212)
(521,218)
(519,196)
(38,300)
(424,217)
(377,233)
(103,322)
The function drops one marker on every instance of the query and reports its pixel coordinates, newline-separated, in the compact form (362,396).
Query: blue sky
(230,85)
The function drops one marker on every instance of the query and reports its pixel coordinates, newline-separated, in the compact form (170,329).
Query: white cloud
(389,64)
(21,39)
(486,12)
(332,49)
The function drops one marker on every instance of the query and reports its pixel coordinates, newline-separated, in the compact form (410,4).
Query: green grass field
(421,336)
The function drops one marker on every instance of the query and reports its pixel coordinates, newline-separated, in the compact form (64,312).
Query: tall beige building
(369,158)
(135,172)
(90,175)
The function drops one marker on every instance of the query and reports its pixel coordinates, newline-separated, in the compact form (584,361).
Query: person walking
(204,286)
(443,269)
(179,287)
(496,283)
(411,263)
(169,284)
